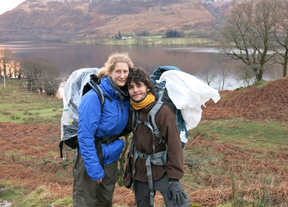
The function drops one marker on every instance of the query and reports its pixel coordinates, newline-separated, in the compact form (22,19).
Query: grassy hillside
(233,159)
(18,105)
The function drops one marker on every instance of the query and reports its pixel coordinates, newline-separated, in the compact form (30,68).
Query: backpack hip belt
(103,140)
(159,158)
(108,139)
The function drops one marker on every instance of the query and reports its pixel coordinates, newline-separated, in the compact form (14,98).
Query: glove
(177,194)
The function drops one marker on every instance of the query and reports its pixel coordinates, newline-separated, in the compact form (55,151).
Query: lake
(197,61)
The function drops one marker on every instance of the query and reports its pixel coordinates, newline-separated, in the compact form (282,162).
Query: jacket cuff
(98,177)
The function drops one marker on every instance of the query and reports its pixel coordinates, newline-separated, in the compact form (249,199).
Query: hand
(99,181)
(177,194)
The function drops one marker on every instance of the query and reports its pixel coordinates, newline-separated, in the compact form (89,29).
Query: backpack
(78,83)
(184,94)
(161,86)
(162,97)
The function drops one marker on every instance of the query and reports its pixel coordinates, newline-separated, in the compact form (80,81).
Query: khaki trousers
(87,192)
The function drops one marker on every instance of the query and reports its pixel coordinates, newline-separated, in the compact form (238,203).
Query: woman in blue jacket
(94,181)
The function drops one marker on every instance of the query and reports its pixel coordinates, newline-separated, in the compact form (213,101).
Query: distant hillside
(87,19)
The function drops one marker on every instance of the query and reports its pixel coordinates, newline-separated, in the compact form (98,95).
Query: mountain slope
(80,19)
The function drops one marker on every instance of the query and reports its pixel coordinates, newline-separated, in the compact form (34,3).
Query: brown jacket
(143,139)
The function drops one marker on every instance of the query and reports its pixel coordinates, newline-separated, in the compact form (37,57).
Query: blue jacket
(111,121)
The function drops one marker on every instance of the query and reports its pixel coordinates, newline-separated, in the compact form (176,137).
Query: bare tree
(245,76)
(208,73)
(216,73)
(248,33)
(50,78)
(41,75)
(5,59)
(31,68)
(281,35)
(12,68)
(17,69)
(222,79)
(223,73)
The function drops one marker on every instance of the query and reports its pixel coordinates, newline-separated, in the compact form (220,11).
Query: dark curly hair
(140,75)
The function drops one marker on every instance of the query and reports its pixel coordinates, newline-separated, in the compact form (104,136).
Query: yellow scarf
(140,105)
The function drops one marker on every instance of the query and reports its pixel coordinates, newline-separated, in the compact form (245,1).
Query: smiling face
(120,73)
(137,91)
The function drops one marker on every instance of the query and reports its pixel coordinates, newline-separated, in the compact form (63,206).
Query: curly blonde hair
(111,63)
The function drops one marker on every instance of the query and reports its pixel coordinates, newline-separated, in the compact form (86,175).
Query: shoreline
(148,41)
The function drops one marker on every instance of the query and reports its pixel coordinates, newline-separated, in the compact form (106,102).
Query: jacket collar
(109,90)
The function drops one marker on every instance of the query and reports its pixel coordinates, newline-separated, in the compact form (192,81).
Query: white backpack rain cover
(188,94)
(71,100)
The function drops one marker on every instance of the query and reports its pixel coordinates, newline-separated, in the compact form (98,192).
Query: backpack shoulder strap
(134,120)
(100,93)
(151,117)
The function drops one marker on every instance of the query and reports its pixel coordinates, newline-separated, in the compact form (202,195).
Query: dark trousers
(142,194)
(87,192)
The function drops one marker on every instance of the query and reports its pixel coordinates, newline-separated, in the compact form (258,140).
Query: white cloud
(6,5)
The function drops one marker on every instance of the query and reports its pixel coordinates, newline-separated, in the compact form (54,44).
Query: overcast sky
(6,5)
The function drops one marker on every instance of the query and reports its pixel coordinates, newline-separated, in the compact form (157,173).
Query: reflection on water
(69,57)
(197,49)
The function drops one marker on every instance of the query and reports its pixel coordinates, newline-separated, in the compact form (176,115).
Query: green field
(21,106)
